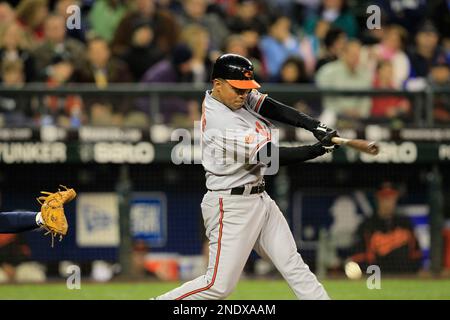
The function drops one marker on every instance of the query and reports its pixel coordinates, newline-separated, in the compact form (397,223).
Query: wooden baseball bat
(370,147)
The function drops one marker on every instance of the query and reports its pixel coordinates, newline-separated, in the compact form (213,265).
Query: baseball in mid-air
(352,270)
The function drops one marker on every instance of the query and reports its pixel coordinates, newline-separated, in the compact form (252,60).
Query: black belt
(256,189)
(240,190)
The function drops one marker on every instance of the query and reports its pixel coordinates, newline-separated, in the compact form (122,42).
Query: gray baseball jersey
(231,140)
(237,223)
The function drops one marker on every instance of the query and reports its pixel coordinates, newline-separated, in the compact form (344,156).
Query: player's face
(230,96)
(386,206)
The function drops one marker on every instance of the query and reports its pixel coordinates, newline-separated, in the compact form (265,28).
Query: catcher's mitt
(52,211)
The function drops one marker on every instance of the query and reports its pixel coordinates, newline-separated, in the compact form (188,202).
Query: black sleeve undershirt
(280,112)
(291,155)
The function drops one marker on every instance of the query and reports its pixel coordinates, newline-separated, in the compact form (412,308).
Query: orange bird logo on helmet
(248,74)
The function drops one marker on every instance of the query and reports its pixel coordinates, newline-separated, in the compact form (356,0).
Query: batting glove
(324,135)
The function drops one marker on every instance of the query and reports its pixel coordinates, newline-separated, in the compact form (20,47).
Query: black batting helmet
(236,70)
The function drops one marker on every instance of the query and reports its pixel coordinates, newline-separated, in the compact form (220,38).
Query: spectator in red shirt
(440,76)
(387,106)
(31,15)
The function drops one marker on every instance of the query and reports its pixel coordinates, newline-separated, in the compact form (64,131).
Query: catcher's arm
(52,211)
(15,222)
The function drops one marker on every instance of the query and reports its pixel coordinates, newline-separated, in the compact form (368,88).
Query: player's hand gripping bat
(370,147)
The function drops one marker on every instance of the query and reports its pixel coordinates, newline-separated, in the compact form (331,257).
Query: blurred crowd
(319,42)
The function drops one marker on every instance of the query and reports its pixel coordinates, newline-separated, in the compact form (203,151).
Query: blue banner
(148,218)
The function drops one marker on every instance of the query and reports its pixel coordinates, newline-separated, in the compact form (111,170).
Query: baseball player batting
(238,214)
